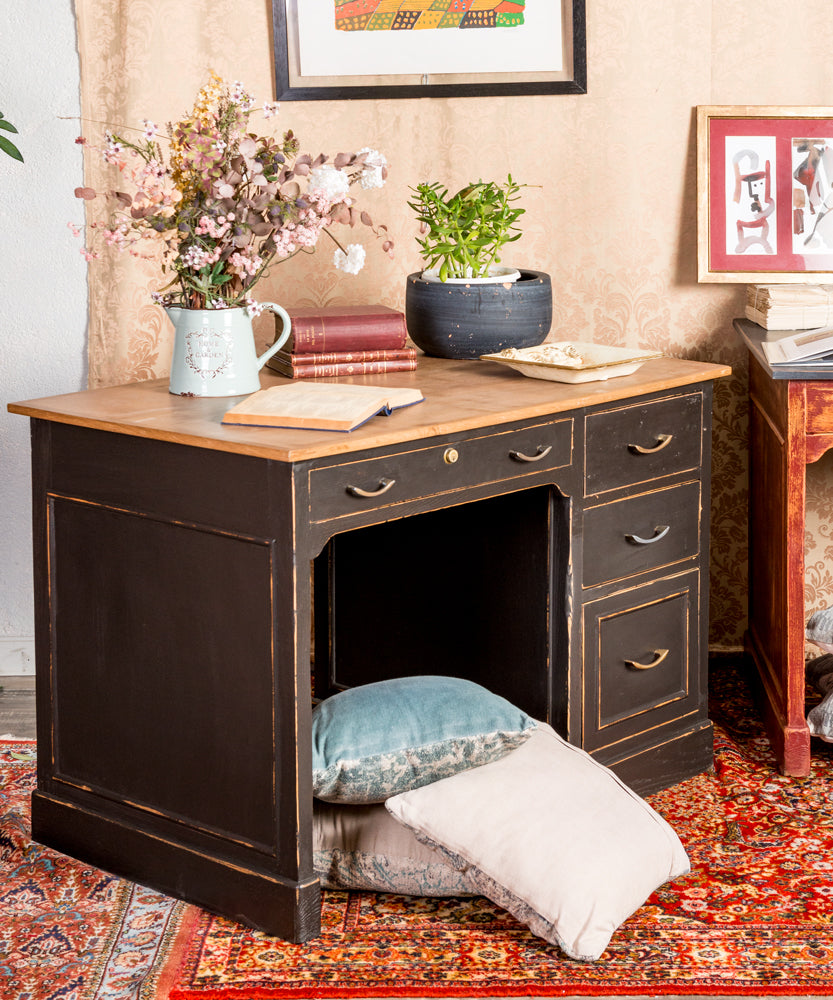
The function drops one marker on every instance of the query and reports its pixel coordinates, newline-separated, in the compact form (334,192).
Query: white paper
(751,209)
(534,46)
(804,346)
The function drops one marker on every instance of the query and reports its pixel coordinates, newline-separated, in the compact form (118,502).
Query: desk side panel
(166,600)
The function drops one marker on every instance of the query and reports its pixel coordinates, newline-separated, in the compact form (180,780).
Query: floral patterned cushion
(376,740)
(363,847)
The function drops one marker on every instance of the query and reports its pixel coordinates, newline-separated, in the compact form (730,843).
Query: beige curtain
(147,59)
(611,213)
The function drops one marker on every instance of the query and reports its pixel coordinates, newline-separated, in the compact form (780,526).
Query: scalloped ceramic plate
(572,361)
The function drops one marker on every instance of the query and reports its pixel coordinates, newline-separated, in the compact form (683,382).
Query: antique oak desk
(790,426)
(549,541)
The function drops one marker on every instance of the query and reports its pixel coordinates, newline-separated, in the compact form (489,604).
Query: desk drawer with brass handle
(641,533)
(352,487)
(643,442)
(639,660)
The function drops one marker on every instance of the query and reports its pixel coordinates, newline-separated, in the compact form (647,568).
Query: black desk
(547,540)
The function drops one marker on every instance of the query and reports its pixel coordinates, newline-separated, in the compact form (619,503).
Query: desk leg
(777,450)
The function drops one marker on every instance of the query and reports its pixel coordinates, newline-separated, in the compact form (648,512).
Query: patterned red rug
(755,916)
(68,931)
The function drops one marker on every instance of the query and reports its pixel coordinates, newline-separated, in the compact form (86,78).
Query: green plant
(6,144)
(464,232)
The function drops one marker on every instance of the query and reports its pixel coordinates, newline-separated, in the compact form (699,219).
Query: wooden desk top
(459,396)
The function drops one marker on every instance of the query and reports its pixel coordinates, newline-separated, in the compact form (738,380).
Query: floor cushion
(376,740)
(552,836)
(364,847)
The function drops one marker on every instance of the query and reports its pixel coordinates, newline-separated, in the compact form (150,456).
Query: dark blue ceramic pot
(463,321)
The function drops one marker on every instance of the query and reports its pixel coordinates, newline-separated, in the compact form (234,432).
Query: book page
(320,405)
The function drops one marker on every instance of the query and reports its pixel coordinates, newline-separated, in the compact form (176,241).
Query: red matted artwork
(764,194)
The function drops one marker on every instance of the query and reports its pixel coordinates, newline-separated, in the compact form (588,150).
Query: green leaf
(10,148)
(7,125)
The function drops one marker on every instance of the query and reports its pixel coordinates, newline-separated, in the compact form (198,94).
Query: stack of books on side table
(336,341)
(790,306)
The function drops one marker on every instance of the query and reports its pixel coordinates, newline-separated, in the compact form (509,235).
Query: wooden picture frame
(561,60)
(764,194)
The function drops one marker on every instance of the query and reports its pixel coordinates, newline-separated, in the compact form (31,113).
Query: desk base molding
(676,759)
(275,906)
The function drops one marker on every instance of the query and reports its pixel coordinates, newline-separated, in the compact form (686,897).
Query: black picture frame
(290,85)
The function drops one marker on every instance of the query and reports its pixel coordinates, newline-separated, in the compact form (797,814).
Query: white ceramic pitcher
(214,351)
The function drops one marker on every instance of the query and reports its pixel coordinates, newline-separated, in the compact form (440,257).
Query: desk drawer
(352,487)
(641,533)
(640,660)
(638,443)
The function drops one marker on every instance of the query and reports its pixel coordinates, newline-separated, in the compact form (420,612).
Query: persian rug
(754,917)
(69,931)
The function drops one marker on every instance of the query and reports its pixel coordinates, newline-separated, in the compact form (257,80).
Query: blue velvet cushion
(377,740)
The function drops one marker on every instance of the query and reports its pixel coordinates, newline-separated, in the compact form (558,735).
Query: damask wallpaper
(610,212)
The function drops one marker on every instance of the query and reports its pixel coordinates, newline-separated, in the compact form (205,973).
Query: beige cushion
(552,836)
(363,847)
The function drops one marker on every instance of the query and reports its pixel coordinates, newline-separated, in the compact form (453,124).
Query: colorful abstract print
(399,15)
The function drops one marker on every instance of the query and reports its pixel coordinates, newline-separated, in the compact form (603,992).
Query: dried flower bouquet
(227,203)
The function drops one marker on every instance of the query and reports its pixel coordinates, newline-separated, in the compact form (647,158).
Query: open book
(800,346)
(320,406)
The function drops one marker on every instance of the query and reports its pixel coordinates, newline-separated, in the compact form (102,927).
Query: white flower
(351,262)
(150,129)
(372,175)
(241,97)
(270,109)
(332,182)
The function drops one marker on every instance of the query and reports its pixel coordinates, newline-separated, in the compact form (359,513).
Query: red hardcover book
(343,357)
(344,328)
(342,370)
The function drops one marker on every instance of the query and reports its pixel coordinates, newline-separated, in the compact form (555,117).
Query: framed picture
(370,49)
(765,194)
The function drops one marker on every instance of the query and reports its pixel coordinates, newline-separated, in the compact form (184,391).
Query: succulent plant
(464,232)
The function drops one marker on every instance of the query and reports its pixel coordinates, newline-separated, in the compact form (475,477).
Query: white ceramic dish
(572,361)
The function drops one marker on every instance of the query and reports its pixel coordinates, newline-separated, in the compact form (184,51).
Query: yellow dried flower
(209,97)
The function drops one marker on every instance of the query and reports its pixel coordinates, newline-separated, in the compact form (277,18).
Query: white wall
(43,315)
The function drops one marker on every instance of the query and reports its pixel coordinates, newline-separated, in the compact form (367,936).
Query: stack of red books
(343,340)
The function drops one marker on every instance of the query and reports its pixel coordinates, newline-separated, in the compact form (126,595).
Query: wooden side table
(790,426)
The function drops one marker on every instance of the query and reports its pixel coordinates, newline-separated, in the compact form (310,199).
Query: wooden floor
(17,717)
(17,706)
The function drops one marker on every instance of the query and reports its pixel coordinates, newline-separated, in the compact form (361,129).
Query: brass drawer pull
(383,487)
(660,532)
(660,655)
(663,440)
(541,453)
